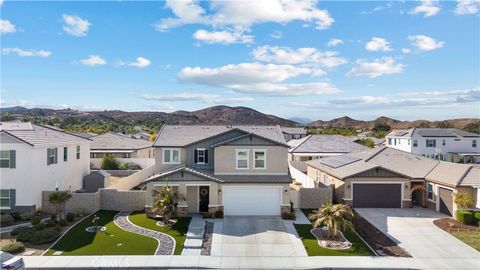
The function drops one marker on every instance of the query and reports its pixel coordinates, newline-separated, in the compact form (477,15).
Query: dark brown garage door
(377,195)
(446,201)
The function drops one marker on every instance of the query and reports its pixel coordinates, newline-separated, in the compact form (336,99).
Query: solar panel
(339,161)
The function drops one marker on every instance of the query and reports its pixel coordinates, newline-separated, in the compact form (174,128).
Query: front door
(204,198)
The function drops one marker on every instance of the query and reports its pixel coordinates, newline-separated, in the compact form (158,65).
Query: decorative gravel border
(166,243)
(207,239)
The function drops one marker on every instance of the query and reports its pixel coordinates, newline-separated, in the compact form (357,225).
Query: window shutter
(56,155)
(195,156)
(48,157)
(206,156)
(12,159)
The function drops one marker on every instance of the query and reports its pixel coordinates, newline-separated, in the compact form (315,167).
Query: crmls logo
(110,262)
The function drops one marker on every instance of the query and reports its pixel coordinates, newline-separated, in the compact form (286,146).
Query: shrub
(26,216)
(109,162)
(288,215)
(14,248)
(219,214)
(70,217)
(208,215)
(24,234)
(6,220)
(16,216)
(39,226)
(44,236)
(36,220)
(63,222)
(18,230)
(465,217)
(464,200)
(50,223)
(477,216)
(123,166)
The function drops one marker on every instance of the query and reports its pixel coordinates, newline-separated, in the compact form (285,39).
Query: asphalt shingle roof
(325,144)
(433,132)
(111,141)
(294,130)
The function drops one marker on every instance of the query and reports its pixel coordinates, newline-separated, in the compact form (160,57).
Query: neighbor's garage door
(377,195)
(251,200)
(446,201)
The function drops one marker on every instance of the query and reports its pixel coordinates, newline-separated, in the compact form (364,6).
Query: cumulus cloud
(75,26)
(334,42)
(242,15)
(223,37)
(93,60)
(6,27)
(376,68)
(406,50)
(377,8)
(161,107)
(425,43)
(140,62)
(467,7)
(26,53)
(202,97)
(427,7)
(378,44)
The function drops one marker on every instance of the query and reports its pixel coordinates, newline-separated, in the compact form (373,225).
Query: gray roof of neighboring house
(325,144)
(180,136)
(37,135)
(433,132)
(112,141)
(86,135)
(299,165)
(294,130)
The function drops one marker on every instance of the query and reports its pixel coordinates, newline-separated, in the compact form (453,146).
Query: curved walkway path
(166,244)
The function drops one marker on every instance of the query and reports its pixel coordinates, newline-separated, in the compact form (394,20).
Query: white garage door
(239,201)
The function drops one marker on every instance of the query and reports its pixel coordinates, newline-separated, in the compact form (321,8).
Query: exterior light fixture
(219,191)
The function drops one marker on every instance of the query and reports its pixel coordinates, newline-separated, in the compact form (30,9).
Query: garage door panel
(377,195)
(446,201)
(251,200)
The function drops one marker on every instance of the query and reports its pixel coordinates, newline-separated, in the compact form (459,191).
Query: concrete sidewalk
(212,262)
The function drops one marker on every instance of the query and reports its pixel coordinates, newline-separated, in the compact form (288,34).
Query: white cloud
(425,43)
(26,53)
(223,37)
(467,7)
(206,98)
(377,9)
(75,26)
(256,78)
(1,3)
(379,67)
(302,56)
(406,50)
(6,27)
(378,44)
(427,7)
(242,15)
(140,62)
(334,42)
(277,34)
(93,60)
(161,107)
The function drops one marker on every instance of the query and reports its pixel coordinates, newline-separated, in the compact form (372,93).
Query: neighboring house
(319,146)
(123,147)
(241,170)
(447,144)
(37,158)
(377,142)
(86,135)
(293,133)
(143,136)
(391,178)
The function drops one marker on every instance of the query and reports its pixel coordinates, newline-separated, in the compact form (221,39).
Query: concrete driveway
(413,230)
(255,236)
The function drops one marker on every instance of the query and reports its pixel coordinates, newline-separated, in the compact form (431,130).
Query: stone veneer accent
(213,209)
(284,209)
(406,204)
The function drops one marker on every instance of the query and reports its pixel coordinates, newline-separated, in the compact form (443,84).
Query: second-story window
(242,159)
(474,143)
(78,152)
(415,143)
(7,159)
(260,159)
(444,142)
(52,156)
(389,141)
(201,156)
(431,143)
(171,156)
(65,153)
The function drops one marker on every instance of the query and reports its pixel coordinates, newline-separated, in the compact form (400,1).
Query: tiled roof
(86,135)
(326,144)
(433,132)
(299,165)
(294,130)
(449,173)
(180,136)
(472,178)
(37,135)
(112,141)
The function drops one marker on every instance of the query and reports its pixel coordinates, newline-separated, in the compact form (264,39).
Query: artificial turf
(178,231)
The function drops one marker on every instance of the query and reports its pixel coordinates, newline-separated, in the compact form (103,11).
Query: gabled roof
(325,144)
(294,130)
(181,136)
(37,135)
(245,136)
(433,132)
(86,135)
(113,141)
(182,168)
(472,178)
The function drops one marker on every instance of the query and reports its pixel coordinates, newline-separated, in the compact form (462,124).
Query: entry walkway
(193,243)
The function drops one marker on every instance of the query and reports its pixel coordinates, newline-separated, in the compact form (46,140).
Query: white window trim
(236,158)
(9,159)
(54,156)
(198,156)
(264,159)
(434,199)
(9,200)
(171,156)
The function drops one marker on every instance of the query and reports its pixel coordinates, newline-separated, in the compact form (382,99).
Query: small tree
(464,200)
(59,199)
(163,203)
(109,162)
(152,137)
(336,217)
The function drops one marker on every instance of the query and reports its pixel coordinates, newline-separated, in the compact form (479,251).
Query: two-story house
(447,144)
(293,133)
(37,158)
(241,170)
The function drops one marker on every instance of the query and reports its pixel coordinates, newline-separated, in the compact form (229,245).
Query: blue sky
(320,60)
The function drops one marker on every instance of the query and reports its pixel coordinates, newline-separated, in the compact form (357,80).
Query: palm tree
(163,203)
(336,217)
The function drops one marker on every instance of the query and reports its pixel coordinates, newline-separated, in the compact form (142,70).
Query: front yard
(468,234)
(358,248)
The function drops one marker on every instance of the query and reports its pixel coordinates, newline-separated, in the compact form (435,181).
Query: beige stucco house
(241,170)
(391,178)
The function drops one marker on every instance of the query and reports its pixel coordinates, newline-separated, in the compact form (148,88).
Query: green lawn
(470,238)
(113,241)
(178,231)
(359,248)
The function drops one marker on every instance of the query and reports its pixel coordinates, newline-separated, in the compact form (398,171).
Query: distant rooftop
(432,132)
(325,144)
(294,130)
(114,141)
(86,135)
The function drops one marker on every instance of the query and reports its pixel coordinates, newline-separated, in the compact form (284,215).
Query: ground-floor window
(430,194)
(4,199)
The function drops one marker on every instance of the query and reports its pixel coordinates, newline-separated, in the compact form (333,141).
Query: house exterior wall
(32,175)
(160,166)
(225,160)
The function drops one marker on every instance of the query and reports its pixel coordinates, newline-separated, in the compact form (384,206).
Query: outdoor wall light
(406,186)
(286,191)
(348,186)
(219,191)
